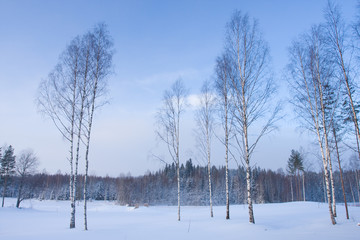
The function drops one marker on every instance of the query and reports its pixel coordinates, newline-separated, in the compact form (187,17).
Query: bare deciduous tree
(339,43)
(26,165)
(101,54)
(222,87)
(205,129)
(57,99)
(252,89)
(311,69)
(69,96)
(168,120)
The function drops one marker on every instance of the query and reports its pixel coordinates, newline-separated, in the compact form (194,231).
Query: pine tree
(7,167)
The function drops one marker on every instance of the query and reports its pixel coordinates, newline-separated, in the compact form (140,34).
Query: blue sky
(156,42)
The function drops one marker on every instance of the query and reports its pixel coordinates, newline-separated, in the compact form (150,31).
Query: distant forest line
(160,187)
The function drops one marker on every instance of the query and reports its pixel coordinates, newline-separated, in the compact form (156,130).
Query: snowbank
(107,220)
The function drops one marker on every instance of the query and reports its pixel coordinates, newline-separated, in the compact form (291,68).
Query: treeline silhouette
(160,187)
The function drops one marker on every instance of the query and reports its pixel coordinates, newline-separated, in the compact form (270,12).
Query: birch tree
(310,70)
(252,89)
(71,94)
(101,54)
(62,97)
(339,42)
(57,98)
(222,87)
(168,121)
(205,129)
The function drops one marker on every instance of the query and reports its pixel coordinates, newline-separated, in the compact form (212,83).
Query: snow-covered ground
(107,220)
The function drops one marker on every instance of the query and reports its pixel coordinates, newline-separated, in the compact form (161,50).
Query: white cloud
(193,100)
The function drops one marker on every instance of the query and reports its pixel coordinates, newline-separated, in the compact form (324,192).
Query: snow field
(107,220)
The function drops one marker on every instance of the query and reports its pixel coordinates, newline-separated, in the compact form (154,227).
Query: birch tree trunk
(326,176)
(87,166)
(209,176)
(177,138)
(332,186)
(83,96)
(227,174)
(222,87)
(178,188)
(325,127)
(247,160)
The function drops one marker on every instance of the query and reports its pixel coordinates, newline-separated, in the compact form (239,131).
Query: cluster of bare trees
(72,93)
(322,76)
(242,97)
(244,89)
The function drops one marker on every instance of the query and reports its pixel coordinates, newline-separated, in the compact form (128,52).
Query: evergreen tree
(7,167)
(291,170)
(294,167)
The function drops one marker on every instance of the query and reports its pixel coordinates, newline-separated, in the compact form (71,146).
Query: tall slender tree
(310,70)
(222,87)
(69,96)
(101,54)
(252,87)
(168,121)
(58,98)
(339,44)
(205,123)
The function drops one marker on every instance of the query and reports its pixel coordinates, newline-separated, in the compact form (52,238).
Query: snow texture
(107,220)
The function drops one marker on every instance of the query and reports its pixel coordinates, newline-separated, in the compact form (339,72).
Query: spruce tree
(7,168)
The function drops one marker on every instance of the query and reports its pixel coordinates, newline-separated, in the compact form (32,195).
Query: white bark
(101,49)
(309,74)
(252,89)
(66,95)
(337,36)
(168,120)
(222,87)
(204,120)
